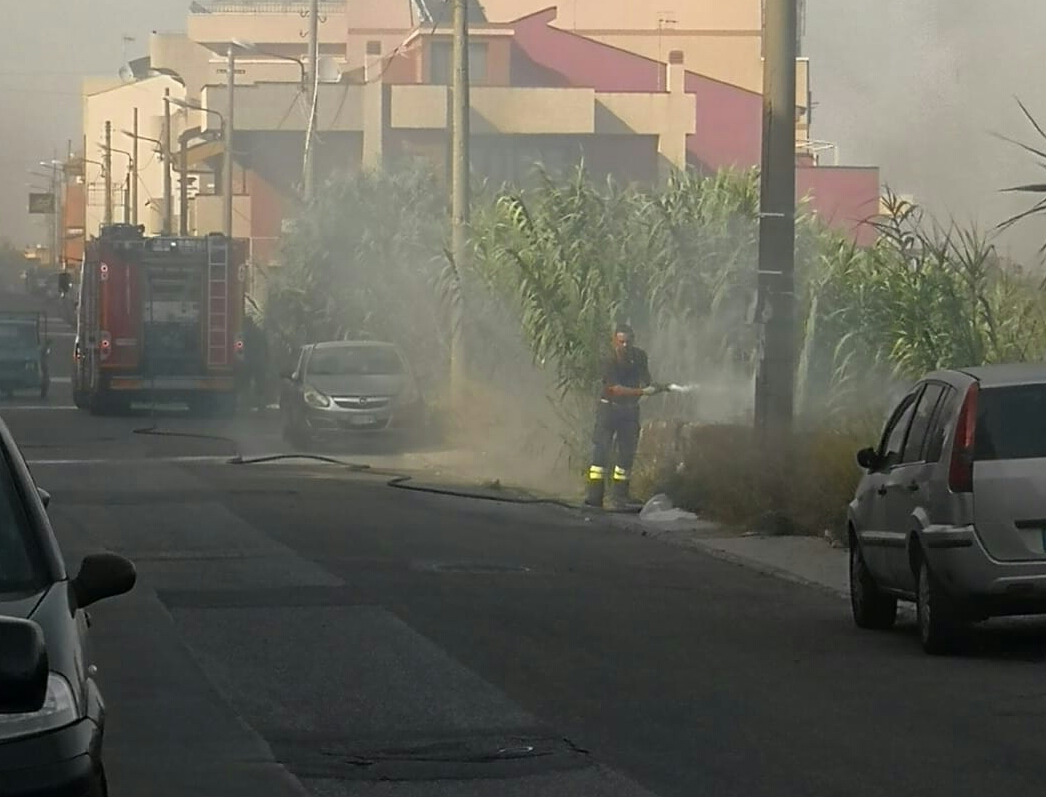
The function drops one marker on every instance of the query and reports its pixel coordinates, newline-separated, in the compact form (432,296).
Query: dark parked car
(52,717)
(349,388)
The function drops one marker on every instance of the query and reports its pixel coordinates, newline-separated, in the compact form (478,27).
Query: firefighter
(626,379)
(256,356)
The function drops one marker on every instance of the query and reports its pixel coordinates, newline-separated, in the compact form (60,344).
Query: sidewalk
(811,561)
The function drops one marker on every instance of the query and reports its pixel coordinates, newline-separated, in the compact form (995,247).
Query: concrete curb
(690,537)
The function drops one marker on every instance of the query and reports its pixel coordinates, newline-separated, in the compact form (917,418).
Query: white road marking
(134,462)
(52,407)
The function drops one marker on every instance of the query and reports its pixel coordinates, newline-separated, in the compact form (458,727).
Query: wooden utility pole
(165,144)
(776,301)
(107,165)
(134,172)
(459,185)
(309,170)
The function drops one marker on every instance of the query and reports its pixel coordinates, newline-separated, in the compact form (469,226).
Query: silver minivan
(951,511)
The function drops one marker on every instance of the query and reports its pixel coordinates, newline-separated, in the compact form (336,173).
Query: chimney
(372,62)
(676,72)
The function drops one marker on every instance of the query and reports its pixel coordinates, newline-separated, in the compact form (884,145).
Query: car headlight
(58,711)
(315,398)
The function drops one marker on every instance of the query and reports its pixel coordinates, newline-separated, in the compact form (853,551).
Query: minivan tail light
(960,471)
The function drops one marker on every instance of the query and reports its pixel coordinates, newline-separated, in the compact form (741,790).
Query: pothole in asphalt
(491,568)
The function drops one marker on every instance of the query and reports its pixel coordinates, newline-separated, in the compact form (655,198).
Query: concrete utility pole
(107,165)
(168,198)
(56,194)
(229,127)
(776,305)
(459,182)
(134,175)
(309,170)
(183,185)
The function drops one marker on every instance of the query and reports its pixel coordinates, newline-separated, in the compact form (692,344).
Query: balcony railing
(262,6)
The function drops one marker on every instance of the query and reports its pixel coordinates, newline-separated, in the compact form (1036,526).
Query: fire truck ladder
(217,301)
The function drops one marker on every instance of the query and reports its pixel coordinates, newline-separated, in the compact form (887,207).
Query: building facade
(551,86)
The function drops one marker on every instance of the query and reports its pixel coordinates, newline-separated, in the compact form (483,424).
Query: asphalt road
(299,629)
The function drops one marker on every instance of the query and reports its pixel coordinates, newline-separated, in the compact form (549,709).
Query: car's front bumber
(343,413)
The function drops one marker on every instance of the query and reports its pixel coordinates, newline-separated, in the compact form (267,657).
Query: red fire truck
(159,320)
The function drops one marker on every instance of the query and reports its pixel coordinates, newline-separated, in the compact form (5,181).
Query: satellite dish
(328,70)
(126,73)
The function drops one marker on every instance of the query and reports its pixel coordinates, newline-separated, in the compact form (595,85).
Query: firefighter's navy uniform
(617,422)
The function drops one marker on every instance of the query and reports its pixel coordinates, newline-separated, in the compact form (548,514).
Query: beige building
(629,87)
(115,102)
(721,39)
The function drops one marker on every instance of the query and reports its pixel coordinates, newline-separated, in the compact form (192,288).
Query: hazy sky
(46,46)
(915,86)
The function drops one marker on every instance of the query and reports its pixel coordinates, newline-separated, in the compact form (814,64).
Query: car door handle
(913,487)
(882,490)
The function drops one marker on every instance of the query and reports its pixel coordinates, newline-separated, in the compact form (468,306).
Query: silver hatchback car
(951,512)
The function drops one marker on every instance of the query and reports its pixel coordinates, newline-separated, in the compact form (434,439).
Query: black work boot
(619,497)
(594,490)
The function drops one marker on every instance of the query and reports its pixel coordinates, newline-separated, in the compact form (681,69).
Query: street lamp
(135,137)
(324,70)
(251,47)
(132,174)
(226,134)
(54,164)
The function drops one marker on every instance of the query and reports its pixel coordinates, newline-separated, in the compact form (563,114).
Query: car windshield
(355,361)
(19,564)
(1011,423)
(17,335)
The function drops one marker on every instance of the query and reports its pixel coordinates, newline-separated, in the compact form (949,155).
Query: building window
(440,59)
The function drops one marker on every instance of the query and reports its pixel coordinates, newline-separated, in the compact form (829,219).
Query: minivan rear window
(1011,423)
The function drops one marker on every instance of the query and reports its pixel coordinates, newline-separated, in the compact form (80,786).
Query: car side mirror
(868,459)
(45,497)
(65,282)
(23,666)
(101,576)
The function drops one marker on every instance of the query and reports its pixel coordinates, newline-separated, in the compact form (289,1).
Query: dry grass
(721,473)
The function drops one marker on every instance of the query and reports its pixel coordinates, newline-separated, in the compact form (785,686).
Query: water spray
(691,388)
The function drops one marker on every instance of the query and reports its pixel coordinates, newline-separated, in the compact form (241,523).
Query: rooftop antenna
(127,39)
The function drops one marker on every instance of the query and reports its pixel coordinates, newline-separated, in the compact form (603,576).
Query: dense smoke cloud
(918,86)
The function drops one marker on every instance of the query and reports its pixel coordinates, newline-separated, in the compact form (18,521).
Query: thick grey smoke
(918,86)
